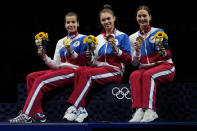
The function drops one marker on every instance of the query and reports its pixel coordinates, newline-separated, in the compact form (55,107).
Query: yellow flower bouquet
(160,38)
(41,39)
(91,41)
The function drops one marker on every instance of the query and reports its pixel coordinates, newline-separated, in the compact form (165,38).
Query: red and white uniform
(108,67)
(153,69)
(61,73)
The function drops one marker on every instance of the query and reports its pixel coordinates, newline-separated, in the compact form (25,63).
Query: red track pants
(86,76)
(41,82)
(144,82)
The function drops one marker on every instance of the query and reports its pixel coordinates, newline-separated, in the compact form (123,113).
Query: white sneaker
(149,115)
(138,115)
(82,114)
(71,113)
(22,118)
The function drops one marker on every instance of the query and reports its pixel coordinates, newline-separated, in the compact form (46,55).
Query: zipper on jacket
(146,51)
(106,52)
(65,55)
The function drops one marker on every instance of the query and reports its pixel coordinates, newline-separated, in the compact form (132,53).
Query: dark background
(20,22)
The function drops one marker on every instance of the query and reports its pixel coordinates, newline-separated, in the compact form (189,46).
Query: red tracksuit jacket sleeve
(124,57)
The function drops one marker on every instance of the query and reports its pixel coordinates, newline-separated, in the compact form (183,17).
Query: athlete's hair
(71,14)
(107,8)
(144,7)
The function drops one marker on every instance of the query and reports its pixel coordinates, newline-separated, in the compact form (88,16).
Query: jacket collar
(112,33)
(73,35)
(146,30)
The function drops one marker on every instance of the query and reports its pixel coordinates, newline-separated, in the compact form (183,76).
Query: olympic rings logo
(121,93)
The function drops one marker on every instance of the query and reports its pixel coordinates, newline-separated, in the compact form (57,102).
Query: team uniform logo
(152,39)
(77,43)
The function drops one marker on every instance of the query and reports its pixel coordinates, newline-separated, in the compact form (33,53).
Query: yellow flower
(94,39)
(42,35)
(85,40)
(165,36)
(46,37)
(160,35)
(36,37)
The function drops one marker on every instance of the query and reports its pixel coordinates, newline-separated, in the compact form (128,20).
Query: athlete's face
(107,21)
(71,24)
(143,18)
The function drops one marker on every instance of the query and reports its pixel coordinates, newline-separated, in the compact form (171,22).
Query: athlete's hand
(68,48)
(112,43)
(41,52)
(88,55)
(163,51)
(66,43)
(137,46)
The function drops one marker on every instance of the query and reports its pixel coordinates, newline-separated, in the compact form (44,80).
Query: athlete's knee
(81,70)
(147,75)
(134,75)
(30,76)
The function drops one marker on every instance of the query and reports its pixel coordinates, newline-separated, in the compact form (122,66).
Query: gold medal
(140,39)
(66,42)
